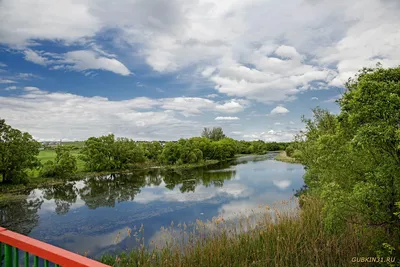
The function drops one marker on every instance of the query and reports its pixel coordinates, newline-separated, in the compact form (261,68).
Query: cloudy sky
(162,70)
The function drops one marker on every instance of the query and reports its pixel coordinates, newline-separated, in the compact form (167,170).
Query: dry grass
(285,158)
(283,235)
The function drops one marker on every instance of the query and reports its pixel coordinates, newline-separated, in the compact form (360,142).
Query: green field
(46,155)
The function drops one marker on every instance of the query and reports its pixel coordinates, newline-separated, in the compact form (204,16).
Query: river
(92,215)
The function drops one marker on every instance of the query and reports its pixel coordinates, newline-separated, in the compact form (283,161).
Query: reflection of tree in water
(218,178)
(64,196)
(20,215)
(104,191)
(153,177)
(189,179)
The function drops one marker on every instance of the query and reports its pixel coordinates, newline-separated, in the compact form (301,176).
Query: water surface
(87,216)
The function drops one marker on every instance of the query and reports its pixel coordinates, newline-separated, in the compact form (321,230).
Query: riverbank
(282,156)
(10,191)
(298,238)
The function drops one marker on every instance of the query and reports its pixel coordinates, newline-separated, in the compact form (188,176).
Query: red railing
(14,242)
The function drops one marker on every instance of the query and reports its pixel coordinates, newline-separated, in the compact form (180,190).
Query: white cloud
(208,71)
(31,89)
(272,135)
(279,110)
(26,76)
(287,52)
(6,81)
(278,123)
(226,118)
(88,60)
(314,98)
(80,60)
(51,116)
(2,65)
(45,20)
(266,51)
(212,96)
(34,57)
(233,106)
(10,88)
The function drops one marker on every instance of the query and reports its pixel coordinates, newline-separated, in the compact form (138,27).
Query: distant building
(51,143)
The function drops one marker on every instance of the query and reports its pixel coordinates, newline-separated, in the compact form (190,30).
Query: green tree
(64,166)
(126,152)
(170,153)
(224,149)
(18,152)
(153,150)
(290,150)
(216,133)
(353,159)
(97,153)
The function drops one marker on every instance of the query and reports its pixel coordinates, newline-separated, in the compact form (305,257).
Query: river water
(92,215)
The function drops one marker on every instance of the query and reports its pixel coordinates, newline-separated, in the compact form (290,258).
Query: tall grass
(283,235)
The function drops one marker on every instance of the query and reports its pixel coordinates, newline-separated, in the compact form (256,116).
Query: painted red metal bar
(45,251)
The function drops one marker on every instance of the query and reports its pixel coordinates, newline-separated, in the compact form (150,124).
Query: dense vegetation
(353,158)
(18,152)
(21,158)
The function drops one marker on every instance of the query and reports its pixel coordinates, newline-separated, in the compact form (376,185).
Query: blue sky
(163,70)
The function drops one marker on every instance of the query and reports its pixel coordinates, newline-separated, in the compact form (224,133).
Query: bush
(65,164)
(48,169)
(289,151)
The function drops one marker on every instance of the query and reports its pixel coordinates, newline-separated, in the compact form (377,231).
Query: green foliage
(97,153)
(65,164)
(216,133)
(18,152)
(107,153)
(353,158)
(290,150)
(153,150)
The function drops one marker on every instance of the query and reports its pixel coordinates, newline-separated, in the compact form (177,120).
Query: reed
(282,235)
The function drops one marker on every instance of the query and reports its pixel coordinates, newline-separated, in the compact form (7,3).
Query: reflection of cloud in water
(238,215)
(236,209)
(50,205)
(202,193)
(255,205)
(147,196)
(81,244)
(282,184)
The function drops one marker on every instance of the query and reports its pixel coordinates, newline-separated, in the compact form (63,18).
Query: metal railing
(12,245)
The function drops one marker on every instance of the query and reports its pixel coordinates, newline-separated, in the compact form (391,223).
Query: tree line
(19,151)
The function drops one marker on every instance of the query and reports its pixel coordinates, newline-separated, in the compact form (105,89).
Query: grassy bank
(282,156)
(34,180)
(297,238)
